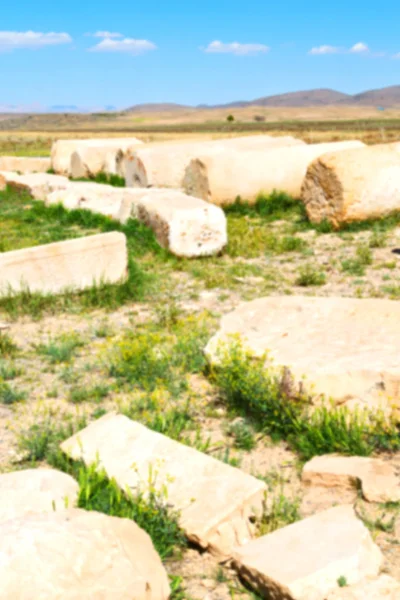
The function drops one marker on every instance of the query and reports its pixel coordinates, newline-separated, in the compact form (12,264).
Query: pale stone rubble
(222,177)
(304,561)
(331,346)
(57,267)
(37,185)
(184,225)
(23,164)
(379,480)
(78,555)
(35,490)
(62,150)
(164,164)
(215,500)
(354,185)
(88,161)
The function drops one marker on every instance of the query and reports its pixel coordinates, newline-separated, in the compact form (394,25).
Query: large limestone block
(117,203)
(164,165)
(331,345)
(305,560)
(358,184)
(378,479)
(62,150)
(78,555)
(88,161)
(72,265)
(23,164)
(36,490)
(377,588)
(186,226)
(222,177)
(37,185)
(215,500)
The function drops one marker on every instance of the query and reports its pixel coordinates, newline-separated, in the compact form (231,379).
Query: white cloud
(359,48)
(235,48)
(396,56)
(325,50)
(107,34)
(127,45)
(12,40)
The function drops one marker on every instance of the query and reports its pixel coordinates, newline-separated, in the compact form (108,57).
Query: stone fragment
(215,500)
(88,161)
(78,555)
(23,164)
(186,226)
(378,479)
(163,165)
(37,185)
(358,184)
(62,150)
(72,265)
(371,588)
(35,490)
(304,561)
(118,203)
(222,177)
(331,346)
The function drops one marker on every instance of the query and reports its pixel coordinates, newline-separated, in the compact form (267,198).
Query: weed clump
(310,276)
(251,389)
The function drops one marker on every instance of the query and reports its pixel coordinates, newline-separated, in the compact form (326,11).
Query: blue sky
(192,52)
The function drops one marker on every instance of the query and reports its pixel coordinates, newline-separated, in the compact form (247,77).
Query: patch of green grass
(97,393)
(309,275)
(147,507)
(148,359)
(10,395)
(8,348)
(105,178)
(342,582)
(61,349)
(378,238)
(252,389)
(9,371)
(277,513)
(357,265)
(243,435)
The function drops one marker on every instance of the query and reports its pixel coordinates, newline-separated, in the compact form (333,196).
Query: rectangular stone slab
(215,500)
(305,560)
(37,185)
(74,264)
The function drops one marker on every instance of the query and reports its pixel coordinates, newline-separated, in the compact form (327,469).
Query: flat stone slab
(379,480)
(72,265)
(184,225)
(379,588)
(343,348)
(37,185)
(24,164)
(78,555)
(305,560)
(215,500)
(36,490)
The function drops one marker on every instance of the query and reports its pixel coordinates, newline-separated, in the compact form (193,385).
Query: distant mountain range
(386,98)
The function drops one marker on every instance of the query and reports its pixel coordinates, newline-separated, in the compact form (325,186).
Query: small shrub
(7,346)
(243,435)
(60,349)
(310,276)
(10,395)
(9,371)
(148,507)
(378,238)
(88,394)
(342,582)
(230,118)
(279,513)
